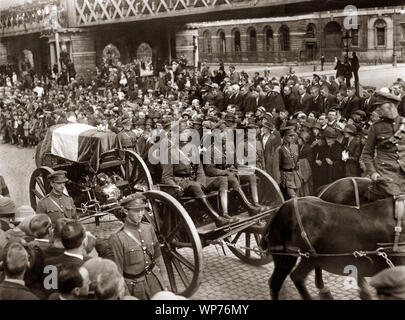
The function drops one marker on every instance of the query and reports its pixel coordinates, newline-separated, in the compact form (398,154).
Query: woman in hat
(352,152)
(318,152)
(288,163)
(305,159)
(332,160)
(271,140)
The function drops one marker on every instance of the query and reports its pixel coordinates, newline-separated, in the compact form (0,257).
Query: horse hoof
(326,295)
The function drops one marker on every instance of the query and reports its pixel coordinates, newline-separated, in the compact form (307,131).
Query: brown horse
(332,229)
(349,191)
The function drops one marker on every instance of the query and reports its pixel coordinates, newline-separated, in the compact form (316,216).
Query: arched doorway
(333,41)
(207,48)
(310,42)
(284,40)
(144,55)
(268,39)
(236,45)
(111,54)
(221,43)
(252,49)
(26,60)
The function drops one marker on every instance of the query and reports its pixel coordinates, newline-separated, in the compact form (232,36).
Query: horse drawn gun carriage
(101,173)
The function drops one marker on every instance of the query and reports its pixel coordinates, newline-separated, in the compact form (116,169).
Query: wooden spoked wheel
(39,185)
(136,171)
(129,166)
(269,191)
(247,246)
(246,243)
(180,242)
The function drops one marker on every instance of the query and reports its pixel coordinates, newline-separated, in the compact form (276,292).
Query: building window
(207,48)
(380,30)
(355,37)
(268,39)
(236,41)
(310,31)
(284,38)
(252,40)
(221,42)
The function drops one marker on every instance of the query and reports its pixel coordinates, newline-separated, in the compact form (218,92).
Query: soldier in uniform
(136,251)
(126,136)
(288,163)
(218,166)
(384,152)
(56,204)
(187,174)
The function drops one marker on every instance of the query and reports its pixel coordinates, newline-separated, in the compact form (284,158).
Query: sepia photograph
(216,151)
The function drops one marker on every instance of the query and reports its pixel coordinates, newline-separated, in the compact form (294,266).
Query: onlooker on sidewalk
(354,62)
(347,71)
(322,62)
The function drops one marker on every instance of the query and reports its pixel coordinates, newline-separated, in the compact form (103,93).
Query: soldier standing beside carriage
(126,136)
(288,163)
(56,204)
(136,251)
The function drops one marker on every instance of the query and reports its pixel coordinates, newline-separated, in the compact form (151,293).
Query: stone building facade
(380,32)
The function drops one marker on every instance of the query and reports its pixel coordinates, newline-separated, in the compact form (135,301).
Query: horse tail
(278,229)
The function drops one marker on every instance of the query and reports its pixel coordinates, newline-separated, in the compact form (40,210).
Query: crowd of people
(309,133)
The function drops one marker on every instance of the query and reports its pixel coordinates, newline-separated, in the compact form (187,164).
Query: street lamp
(346,41)
(394,53)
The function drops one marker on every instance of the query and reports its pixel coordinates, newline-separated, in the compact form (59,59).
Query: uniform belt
(141,274)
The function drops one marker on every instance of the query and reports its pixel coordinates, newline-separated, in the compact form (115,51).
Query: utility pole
(394,54)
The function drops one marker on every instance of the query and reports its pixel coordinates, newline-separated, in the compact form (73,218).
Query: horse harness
(381,251)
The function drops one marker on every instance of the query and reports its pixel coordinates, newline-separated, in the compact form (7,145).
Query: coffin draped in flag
(79,143)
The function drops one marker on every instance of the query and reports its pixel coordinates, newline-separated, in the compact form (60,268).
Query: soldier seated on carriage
(218,166)
(188,175)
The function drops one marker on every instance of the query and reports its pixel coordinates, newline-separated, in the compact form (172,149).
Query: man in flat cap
(56,204)
(136,251)
(390,283)
(384,152)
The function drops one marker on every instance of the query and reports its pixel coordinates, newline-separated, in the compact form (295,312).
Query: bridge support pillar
(84,53)
(3,53)
(187,44)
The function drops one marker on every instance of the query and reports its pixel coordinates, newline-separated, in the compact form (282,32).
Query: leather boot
(219,221)
(223,197)
(251,208)
(255,197)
